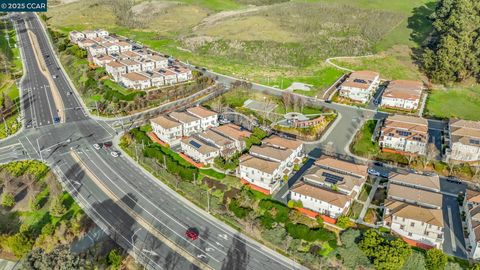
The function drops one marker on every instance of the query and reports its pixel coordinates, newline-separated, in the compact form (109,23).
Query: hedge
(282,211)
(301,231)
(238,211)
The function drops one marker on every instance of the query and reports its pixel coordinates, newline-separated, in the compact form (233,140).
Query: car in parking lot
(115,153)
(453,179)
(373,172)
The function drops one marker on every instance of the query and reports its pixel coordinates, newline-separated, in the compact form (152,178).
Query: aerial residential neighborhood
(235,134)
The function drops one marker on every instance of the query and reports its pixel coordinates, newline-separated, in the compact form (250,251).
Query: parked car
(453,179)
(115,154)
(107,145)
(378,163)
(96,146)
(56,120)
(373,172)
(192,233)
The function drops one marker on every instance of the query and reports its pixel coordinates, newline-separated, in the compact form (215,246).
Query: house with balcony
(283,143)
(265,174)
(96,49)
(208,118)
(235,133)
(135,80)
(115,69)
(146,64)
(360,86)
(413,210)
(190,123)
(159,61)
(112,48)
(167,129)
(102,60)
(199,150)
(404,134)
(124,46)
(85,43)
(156,79)
(169,76)
(129,55)
(132,65)
(75,36)
(330,186)
(464,141)
(471,208)
(403,95)
(225,145)
(183,74)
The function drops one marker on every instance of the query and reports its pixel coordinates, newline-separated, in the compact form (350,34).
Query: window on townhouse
(402,227)
(409,234)
(430,226)
(412,224)
(440,236)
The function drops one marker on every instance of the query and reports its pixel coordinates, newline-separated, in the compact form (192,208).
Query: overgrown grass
(454,103)
(363,145)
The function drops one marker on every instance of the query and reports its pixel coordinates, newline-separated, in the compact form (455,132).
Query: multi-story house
(129,55)
(169,76)
(464,141)
(226,145)
(199,150)
(283,156)
(471,208)
(111,48)
(160,61)
(404,134)
(132,65)
(167,129)
(208,118)
(75,36)
(115,69)
(135,80)
(190,123)
(262,173)
(85,43)
(102,60)
(183,74)
(124,46)
(147,64)
(413,210)
(96,49)
(90,34)
(402,94)
(360,86)
(235,133)
(278,142)
(329,186)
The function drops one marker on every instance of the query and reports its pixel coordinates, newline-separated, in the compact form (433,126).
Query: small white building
(360,86)
(85,43)
(146,64)
(129,55)
(169,76)
(198,150)
(160,61)
(402,94)
(112,48)
(183,74)
(124,46)
(115,69)
(102,60)
(96,49)
(227,146)
(295,146)
(471,207)
(235,133)
(190,123)
(156,79)
(464,143)
(132,65)
(135,80)
(75,36)
(208,118)
(167,129)
(405,134)
(90,34)
(265,174)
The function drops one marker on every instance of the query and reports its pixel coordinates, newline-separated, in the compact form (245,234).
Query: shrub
(301,231)
(293,203)
(238,211)
(57,209)
(267,221)
(19,244)
(344,222)
(8,200)
(435,259)
(280,209)
(114,258)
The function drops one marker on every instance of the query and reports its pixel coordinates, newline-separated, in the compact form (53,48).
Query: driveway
(281,194)
(454,242)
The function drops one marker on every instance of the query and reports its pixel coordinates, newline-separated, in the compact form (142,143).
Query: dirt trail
(218,17)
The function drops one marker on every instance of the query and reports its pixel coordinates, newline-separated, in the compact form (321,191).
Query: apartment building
(102,60)
(402,94)
(124,46)
(190,123)
(169,76)
(414,211)
(167,129)
(404,134)
(360,86)
(464,140)
(135,80)
(208,118)
(115,69)
(75,36)
(263,173)
(235,133)
(329,186)
(199,150)
(96,49)
(471,207)
(132,65)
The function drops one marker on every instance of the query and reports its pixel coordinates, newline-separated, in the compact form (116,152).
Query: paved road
(135,209)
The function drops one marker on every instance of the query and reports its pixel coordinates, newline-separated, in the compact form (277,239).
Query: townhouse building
(115,69)
(402,94)
(263,173)
(129,55)
(190,123)
(160,61)
(208,118)
(414,211)
(330,186)
(156,79)
(360,86)
(124,46)
(225,145)
(295,145)
(169,76)
(404,134)
(85,43)
(112,48)
(471,208)
(167,129)
(199,150)
(235,133)
(96,49)
(183,74)
(75,36)
(132,65)
(102,60)
(135,80)
(146,64)
(464,140)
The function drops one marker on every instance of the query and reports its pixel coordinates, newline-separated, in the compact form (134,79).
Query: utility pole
(208,200)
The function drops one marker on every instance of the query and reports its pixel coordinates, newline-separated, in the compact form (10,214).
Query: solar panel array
(195,144)
(332,178)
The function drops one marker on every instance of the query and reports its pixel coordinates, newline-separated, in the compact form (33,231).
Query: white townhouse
(414,180)
(112,48)
(235,133)
(156,79)
(283,156)
(183,74)
(225,145)
(329,186)
(115,69)
(199,150)
(283,143)
(135,80)
(146,64)
(208,118)
(402,94)
(262,173)
(169,76)
(471,207)
(75,36)
(85,43)
(360,86)
(132,65)
(160,61)
(464,140)
(129,55)
(96,49)
(102,60)
(190,123)
(167,129)
(99,40)
(404,134)
(90,34)
(124,46)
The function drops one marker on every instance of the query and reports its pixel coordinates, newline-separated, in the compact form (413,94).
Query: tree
(351,255)
(431,155)
(286,99)
(19,244)
(59,258)
(8,200)
(56,208)
(416,261)
(343,222)
(114,258)
(435,259)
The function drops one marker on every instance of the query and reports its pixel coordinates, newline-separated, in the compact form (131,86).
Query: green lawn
(363,145)
(454,103)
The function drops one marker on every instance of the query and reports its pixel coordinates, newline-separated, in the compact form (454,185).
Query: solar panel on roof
(332,178)
(195,144)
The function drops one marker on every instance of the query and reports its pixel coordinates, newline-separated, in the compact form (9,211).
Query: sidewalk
(366,204)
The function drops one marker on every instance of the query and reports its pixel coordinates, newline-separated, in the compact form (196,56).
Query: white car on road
(115,154)
(373,172)
(96,146)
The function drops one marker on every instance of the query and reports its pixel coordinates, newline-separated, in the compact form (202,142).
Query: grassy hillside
(268,40)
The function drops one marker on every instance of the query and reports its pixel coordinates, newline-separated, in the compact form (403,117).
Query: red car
(191,233)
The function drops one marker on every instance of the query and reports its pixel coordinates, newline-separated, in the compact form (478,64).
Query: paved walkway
(6,265)
(369,199)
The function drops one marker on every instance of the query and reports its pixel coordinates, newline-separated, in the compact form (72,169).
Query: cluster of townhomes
(131,65)
(409,135)
(360,86)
